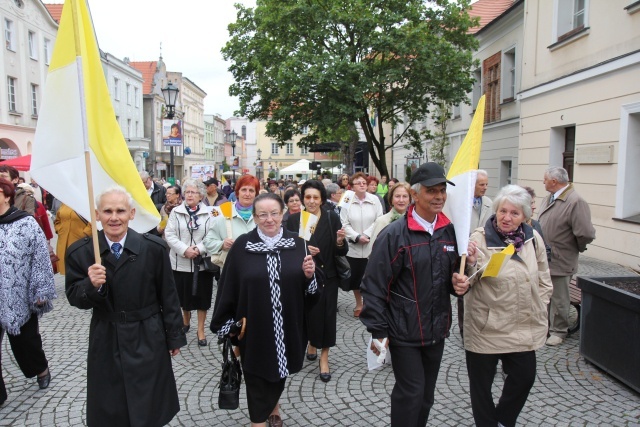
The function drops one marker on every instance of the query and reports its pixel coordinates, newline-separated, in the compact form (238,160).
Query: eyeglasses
(191,192)
(265,216)
(360,183)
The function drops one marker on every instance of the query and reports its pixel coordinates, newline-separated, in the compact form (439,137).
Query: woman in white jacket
(186,228)
(357,219)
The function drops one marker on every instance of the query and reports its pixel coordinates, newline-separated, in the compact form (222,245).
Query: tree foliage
(327,63)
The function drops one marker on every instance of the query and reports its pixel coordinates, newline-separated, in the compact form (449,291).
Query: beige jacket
(508,313)
(567,228)
(480,216)
(357,219)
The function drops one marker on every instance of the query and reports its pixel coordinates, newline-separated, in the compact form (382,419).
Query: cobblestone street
(568,391)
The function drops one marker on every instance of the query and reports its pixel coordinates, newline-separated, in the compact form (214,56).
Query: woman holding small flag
(270,295)
(327,242)
(505,315)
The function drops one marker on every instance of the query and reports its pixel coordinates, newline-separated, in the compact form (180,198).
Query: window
(8,35)
(116,89)
(128,128)
(34,100)
(568,154)
(571,16)
(456,112)
(128,94)
(304,130)
(11,93)
(244,132)
(289,147)
(304,150)
(47,51)
(505,172)
(33,45)
(136,100)
(137,128)
(477,88)
(491,69)
(509,75)
(628,183)
(274,148)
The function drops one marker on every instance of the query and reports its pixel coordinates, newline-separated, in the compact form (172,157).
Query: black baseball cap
(429,174)
(211,181)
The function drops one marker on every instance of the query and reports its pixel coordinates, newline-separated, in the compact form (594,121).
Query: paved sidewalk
(568,391)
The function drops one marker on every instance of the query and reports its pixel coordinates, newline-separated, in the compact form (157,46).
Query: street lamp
(170,94)
(232,140)
(259,164)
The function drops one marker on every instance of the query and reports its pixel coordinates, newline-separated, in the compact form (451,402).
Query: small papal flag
(498,261)
(308,222)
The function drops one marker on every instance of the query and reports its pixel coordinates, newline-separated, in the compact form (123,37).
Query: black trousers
(27,349)
(520,369)
(416,372)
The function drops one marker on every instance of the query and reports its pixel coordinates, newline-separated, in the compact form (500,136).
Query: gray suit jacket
(480,216)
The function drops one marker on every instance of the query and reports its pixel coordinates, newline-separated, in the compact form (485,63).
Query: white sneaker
(554,340)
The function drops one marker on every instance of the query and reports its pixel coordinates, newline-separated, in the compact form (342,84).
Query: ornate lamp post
(232,140)
(170,94)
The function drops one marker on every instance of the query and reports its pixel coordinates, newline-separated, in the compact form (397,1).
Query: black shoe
(325,377)
(202,342)
(186,328)
(312,356)
(43,382)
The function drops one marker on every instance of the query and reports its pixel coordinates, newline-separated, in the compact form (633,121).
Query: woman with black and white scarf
(267,276)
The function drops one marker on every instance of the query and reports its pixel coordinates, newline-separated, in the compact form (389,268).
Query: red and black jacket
(407,284)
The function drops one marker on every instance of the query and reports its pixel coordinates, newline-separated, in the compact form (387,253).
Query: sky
(192,32)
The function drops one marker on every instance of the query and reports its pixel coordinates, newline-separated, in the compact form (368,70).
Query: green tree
(440,140)
(324,63)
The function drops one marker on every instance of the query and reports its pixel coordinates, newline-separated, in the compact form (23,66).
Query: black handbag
(229,397)
(342,265)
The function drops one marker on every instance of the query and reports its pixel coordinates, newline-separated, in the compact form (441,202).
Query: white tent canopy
(301,166)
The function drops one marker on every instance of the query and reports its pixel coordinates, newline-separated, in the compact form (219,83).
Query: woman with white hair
(505,316)
(186,228)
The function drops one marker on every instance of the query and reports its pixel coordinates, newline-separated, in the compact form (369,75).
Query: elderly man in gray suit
(566,222)
(480,213)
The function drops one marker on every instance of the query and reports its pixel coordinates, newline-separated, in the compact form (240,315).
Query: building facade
(29,34)
(580,109)
(125,88)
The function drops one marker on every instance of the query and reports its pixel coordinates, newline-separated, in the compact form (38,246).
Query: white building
(29,35)
(125,87)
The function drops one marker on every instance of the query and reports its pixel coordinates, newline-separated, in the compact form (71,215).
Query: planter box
(610,326)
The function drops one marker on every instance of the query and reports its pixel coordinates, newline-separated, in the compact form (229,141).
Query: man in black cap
(214,197)
(406,290)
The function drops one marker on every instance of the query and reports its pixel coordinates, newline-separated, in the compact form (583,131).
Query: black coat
(130,380)
(407,285)
(324,238)
(159,196)
(244,290)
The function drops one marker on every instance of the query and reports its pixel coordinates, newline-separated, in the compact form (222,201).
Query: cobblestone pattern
(567,392)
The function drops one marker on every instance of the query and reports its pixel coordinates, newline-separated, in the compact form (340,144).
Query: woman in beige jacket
(505,316)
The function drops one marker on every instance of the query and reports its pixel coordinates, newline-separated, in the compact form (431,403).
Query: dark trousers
(416,371)
(520,369)
(27,349)
(461,314)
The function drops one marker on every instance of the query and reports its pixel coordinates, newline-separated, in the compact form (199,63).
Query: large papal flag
(77,118)
(463,174)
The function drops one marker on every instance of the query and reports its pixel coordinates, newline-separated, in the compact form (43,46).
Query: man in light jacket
(566,222)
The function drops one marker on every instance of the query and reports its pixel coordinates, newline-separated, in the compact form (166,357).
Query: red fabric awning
(22,163)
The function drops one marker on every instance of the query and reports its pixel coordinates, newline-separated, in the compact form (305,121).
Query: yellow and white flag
(498,261)
(77,117)
(346,199)
(308,222)
(463,174)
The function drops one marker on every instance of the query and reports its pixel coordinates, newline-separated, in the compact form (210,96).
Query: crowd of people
(282,290)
